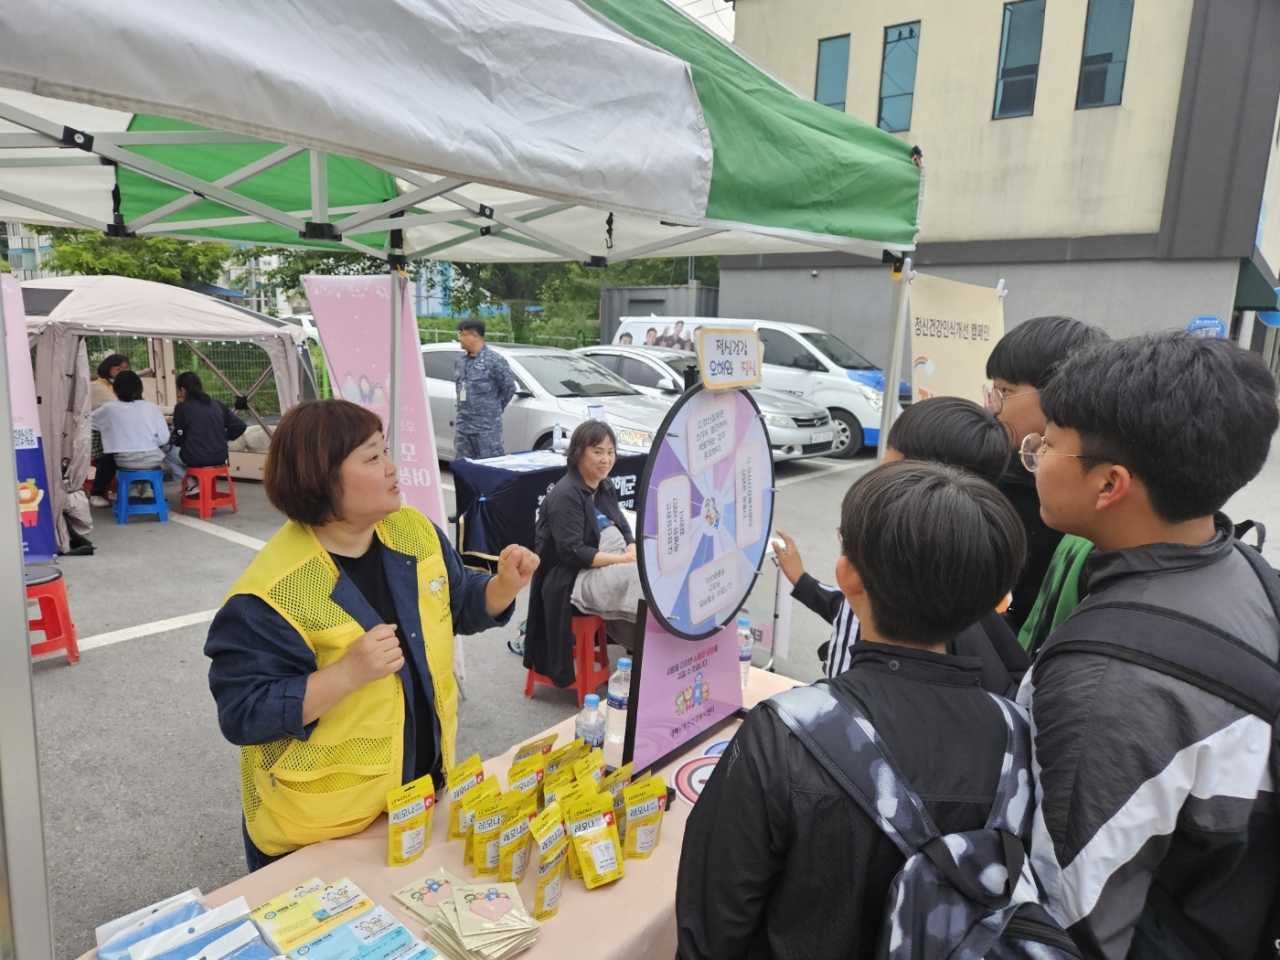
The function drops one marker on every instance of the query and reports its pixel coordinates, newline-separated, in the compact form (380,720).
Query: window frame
(884,56)
(817,71)
(1004,38)
(1084,46)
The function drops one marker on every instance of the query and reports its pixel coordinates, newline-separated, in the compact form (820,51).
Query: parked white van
(801,360)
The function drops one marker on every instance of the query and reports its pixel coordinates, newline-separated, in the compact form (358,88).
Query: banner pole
(893,373)
(396,262)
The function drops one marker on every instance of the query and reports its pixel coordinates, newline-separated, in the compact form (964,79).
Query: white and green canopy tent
(475,130)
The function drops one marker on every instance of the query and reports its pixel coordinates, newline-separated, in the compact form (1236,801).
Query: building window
(1019,59)
(1106,47)
(898,76)
(833,72)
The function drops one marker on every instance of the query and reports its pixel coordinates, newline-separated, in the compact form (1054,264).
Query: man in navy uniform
(485,386)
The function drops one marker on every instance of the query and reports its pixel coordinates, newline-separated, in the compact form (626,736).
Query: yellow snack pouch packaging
(594,837)
(613,784)
(552,841)
(542,745)
(526,775)
(566,799)
(410,810)
(567,756)
(556,783)
(471,802)
(646,804)
(513,839)
(489,814)
(591,766)
(462,778)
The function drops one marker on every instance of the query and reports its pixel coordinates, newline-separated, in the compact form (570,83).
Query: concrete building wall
(1061,172)
(1124,297)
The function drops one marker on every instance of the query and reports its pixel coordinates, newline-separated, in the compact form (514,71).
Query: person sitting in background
(133,431)
(946,430)
(778,859)
(587,556)
(100,388)
(201,428)
(1020,365)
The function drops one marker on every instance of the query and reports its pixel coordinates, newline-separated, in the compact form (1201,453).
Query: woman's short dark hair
(110,363)
(586,435)
(936,547)
(471,323)
(127,386)
(1191,418)
(955,431)
(189,382)
(303,473)
(1031,351)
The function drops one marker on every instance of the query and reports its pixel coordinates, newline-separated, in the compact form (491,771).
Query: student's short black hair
(936,547)
(1031,351)
(127,386)
(1191,418)
(471,323)
(955,431)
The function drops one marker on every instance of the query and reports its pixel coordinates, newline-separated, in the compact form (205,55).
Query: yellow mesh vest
(334,784)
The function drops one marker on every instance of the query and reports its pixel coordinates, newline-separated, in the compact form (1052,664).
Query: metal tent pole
(25,927)
(396,261)
(893,372)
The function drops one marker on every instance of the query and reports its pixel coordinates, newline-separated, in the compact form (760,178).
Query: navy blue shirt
(260,664)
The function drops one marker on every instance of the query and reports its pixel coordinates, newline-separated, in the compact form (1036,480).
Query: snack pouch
(567,798)
(462,778)
(527,775)
(513,839)
(471,802)
(613,784)
(592,765)
(646,803)
(556,783)
(551,840)
(567,756)
(410,810)
(485,828)
(542,746)
(595,840)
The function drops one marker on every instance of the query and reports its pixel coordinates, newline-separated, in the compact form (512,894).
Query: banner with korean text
(953,328)
(353,317)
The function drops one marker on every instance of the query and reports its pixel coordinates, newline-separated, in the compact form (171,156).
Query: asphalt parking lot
(141,792)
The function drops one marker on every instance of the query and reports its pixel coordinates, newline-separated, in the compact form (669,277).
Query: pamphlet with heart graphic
(490,908)
(423,897)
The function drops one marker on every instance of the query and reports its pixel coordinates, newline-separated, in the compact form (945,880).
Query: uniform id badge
(462,393)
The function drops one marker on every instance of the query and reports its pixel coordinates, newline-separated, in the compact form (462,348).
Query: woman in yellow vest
(332,656)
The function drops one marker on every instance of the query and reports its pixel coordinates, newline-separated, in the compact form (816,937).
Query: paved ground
(140,790)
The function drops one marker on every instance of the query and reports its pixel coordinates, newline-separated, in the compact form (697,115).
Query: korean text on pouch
(410,810)
(646,803)
(594,837)
(551,840)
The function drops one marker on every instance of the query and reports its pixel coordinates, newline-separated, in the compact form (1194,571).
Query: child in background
(943,430)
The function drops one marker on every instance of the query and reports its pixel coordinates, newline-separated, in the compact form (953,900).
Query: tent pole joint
(596,263)
(319,231)
(77,138)
(119,230)
(486,212)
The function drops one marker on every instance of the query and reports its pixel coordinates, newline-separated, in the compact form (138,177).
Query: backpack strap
(843,740)
(1015,793)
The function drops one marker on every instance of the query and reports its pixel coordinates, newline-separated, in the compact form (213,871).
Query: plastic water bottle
(590,723)
(559,442)
(616,717)
(746,643)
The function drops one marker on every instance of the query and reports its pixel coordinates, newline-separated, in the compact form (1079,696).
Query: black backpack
(1200,654)
(962,896)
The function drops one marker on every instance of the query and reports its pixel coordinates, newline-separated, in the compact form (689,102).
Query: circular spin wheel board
(706,512)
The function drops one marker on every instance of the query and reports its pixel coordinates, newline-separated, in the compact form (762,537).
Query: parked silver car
(796,429)
(553,386)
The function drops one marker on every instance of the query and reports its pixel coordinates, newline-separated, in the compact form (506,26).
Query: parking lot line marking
(145,629)
(448,486)
(253,543)
(813,474)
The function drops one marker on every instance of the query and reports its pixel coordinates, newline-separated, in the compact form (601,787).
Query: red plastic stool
(591,656)
(208,497)
(45,586)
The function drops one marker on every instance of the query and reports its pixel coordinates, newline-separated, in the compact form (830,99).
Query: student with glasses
(1019,367)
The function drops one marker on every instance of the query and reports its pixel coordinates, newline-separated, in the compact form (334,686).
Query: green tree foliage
(161,259)
(294,264)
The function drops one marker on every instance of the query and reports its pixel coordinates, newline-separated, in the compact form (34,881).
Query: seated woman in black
(201,428)
(587,556)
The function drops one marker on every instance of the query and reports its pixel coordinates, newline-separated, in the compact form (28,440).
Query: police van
(801,360)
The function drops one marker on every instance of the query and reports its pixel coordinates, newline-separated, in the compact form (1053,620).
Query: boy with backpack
(1155,704)
(788,852)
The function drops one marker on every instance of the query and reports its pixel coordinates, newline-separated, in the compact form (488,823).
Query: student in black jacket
(1020,365)
(201,428)
(778,860)
(947,430)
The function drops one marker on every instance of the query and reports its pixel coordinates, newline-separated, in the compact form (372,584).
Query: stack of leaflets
(465,921)
(375,935)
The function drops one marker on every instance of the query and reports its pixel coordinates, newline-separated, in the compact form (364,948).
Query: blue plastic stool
(126,505)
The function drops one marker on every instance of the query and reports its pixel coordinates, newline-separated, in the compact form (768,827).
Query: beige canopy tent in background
(62,311)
